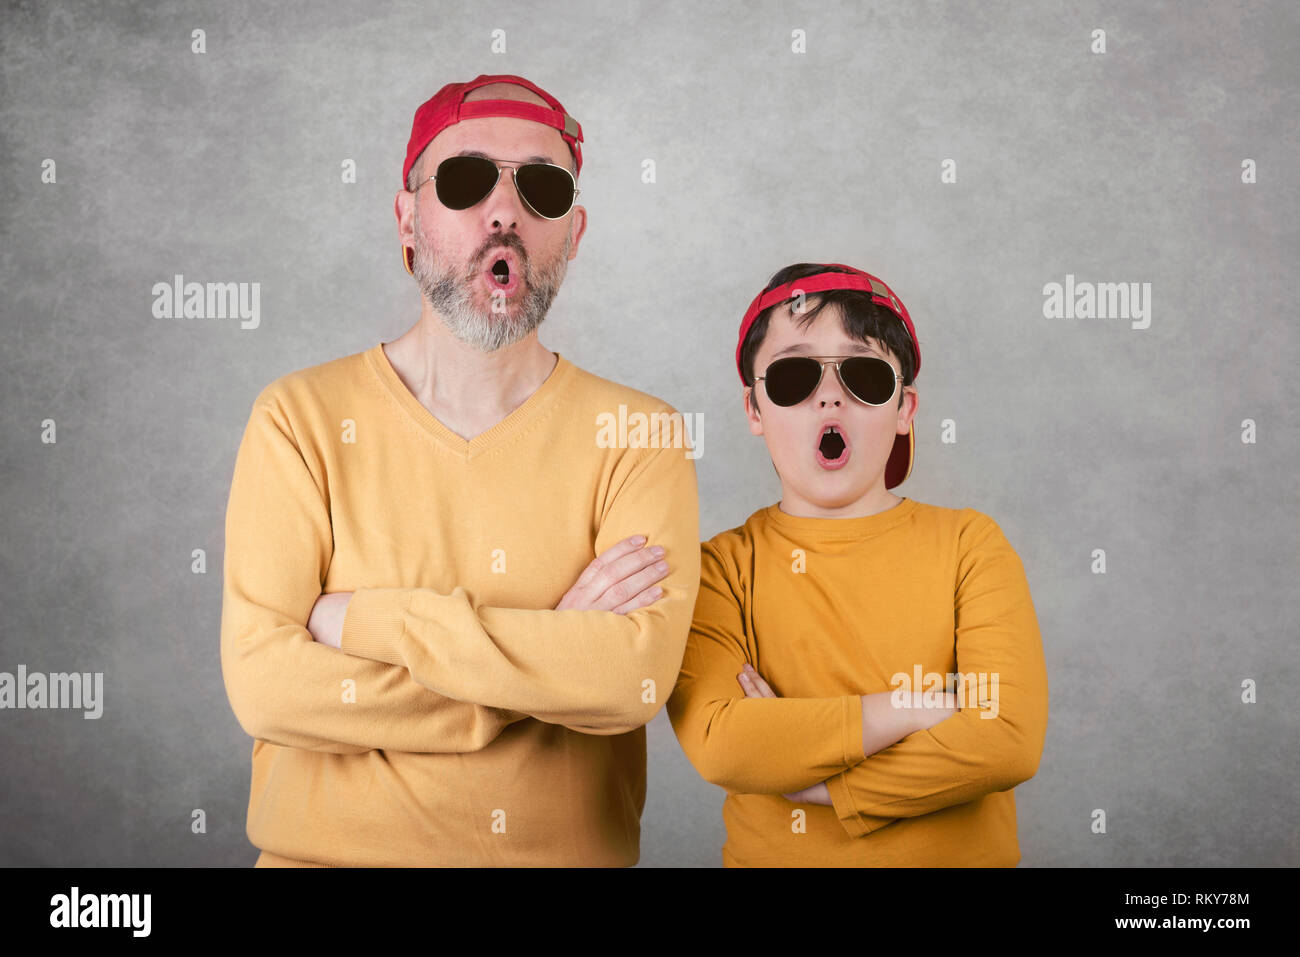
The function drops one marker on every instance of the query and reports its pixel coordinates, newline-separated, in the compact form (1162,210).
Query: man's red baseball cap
(899,465)
(447,107)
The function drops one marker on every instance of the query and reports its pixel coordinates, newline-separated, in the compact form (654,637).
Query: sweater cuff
(373,624)
(842,801)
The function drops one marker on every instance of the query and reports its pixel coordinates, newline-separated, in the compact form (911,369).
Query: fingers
(624,578)
(620,579)
(640,601)
(753,684)
(607,557)
(764,689)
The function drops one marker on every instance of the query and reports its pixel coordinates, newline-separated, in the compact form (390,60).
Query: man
(439,623)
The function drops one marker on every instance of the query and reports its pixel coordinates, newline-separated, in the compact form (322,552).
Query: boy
(861,608)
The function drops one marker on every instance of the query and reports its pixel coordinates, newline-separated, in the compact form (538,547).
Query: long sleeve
(751,745)
(968,755)
(590,671)
(284,687)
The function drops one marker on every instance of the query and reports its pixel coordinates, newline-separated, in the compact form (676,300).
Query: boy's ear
(751,411)
(907,411)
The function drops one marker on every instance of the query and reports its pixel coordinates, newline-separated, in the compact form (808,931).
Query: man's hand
(755,687)
(326,620)
(621,580)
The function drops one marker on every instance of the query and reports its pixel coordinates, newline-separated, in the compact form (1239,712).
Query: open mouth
(832,449)
(503,273)
(832,443)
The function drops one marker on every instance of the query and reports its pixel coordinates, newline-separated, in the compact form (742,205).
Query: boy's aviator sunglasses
(464,181)
(868,379)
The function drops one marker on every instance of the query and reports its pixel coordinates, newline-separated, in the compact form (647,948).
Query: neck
(468,391)
(878,500)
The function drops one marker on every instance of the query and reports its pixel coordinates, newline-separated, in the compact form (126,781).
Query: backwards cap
(447,107)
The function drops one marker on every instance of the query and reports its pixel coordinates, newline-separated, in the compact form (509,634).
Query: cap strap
(822,282)
(556,119)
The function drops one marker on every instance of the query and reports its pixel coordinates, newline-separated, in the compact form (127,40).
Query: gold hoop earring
(408,259)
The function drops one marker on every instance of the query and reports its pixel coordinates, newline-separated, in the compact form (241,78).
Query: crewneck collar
(841,528)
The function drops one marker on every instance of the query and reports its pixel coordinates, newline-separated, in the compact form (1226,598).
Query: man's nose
(504,204)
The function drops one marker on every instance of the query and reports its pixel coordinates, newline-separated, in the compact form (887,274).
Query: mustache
(513,243)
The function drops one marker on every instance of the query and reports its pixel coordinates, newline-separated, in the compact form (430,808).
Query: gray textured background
(1073,435)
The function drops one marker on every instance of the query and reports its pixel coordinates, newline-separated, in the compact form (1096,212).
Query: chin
(839,496)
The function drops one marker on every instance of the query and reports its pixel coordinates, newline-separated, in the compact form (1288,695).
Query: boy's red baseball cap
(899,465)
(446,107)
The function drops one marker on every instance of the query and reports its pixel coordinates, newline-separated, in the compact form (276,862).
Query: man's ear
(577,226)
(404,210)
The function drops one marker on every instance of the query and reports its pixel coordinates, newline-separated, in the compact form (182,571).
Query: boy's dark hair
(862,318)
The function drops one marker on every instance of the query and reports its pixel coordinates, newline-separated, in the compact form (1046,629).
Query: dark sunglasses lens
(548,189)
(790,381)
(464,180)
(871,380)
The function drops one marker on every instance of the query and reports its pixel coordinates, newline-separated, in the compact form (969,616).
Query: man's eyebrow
(482,155)
(800,347)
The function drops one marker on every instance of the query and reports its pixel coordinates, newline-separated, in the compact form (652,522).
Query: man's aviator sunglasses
(868,379)
(464,181)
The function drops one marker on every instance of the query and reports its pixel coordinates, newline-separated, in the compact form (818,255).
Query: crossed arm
(886,719)
(621,580)
(800,747)
(283,687)
(740,735)
(431,672)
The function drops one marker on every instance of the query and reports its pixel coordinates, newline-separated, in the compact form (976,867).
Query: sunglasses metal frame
(512,166)
(823,362)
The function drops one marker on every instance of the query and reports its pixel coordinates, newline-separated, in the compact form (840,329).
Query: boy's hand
(755,687)
(621,580)
(752,683)
(817,794)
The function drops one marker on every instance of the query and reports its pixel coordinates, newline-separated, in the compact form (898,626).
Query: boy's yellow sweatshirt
(827,610)
(464,721)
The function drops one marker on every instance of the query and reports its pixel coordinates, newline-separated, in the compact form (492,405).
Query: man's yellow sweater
(830,609)
(464,721)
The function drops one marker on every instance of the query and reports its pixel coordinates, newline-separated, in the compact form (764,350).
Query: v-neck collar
(468,448)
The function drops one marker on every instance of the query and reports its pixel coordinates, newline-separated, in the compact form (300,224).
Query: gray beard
(488,330)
